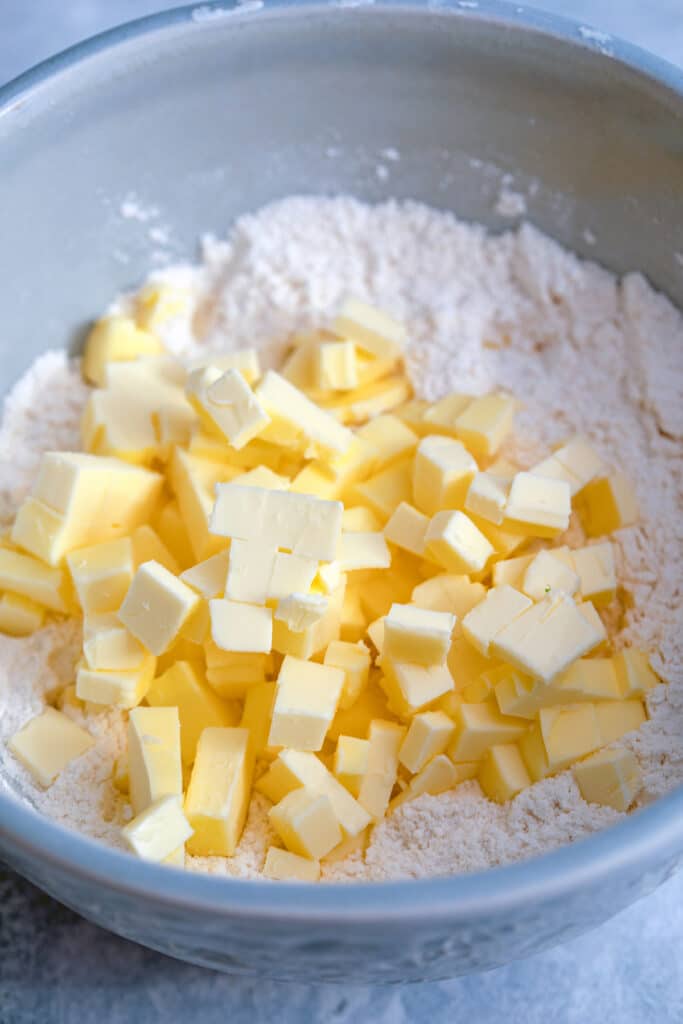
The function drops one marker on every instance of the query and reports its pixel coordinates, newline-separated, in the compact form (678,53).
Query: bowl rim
(654,833)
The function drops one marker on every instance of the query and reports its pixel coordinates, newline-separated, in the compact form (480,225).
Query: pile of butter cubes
(310,584)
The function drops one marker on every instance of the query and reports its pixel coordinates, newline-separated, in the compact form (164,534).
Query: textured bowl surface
(210,112)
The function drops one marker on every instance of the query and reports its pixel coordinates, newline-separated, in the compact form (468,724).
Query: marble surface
(55,967)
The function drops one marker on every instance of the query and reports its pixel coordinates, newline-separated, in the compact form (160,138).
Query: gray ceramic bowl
(211,112)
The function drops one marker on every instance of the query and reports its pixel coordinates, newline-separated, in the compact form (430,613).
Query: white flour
(582,350)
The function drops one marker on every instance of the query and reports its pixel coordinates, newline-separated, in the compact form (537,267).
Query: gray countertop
(55,967)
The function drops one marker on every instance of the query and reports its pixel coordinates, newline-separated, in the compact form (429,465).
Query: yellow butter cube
(306,824)
(20,616)
(314,479)
(326,580)
(250,571)
(456,543)
(157,831)
(353,659)
(115,338)
(634,673)
(480,726)
(449,593)
(227,405)
(284,866)
(373,330)
(442,473)
(532,749)
(208,578)
(390,438)
(503,541)
(363,551)
(370,400)
(156,607)
(429,734)
(292,574)
(371,369)
(217,797)
(30,578)
(47,744)
(511,571)
(351,762)
(109,645)
(199,707)
(438,776)
(576,462)
(411,688)
(149,547)
(538,506)
(547,574)
(487,497)
(116,423)
(157,303)
(173,534)
(256,716)
(335,366)
(239,627)
(610,777)
(597,573)
(355,721)
(485,423)
(384,742)
(306,700)
(386,489)
(518,694)
(501,606)
(417,635)
(154,764)
(607,504)
(356,463)
(361,519)
(440,418)
(569,732)
(589,679)
(298,422)
(465,662)
(246,360)
(617,718)
(407,529)
(120,688)
(102,574)
(193,481)
(502,773)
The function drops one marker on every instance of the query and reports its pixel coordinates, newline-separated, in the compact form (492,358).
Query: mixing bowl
(204,113)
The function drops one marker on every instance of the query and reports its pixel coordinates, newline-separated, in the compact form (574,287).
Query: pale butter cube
(485,423)
(502,773)
(301,611)
(370,400)
(363,551)
(246,360)
(547,637)
(538,506)
(588,679)
(511,571)
(304,525)
(607,504)
(384,742)
(298,422)
(597,573)
(47,744)
(501,606)
(411,688)
(208,578)
(372,369)
(532,749)
(407,529)
(262,476)
(156,607)
(154,764)
(115,422)
(119,688)
(610,777)
(244,628)
(20,616)
(440,418)
(31,578)
(335,367)
(217,797)
(480,726)
(306,823)
(354,661)
(356,463)
(465,662)
(306,700)
(616,718)
(391,439)
(518,694)
(547,574)
(149,547)
(327,578)
(412,413)
(438,776)
(174,535)
(250,571)
(449,593)
(199,707)
(417,635)
(442,473)
(284,866)
(503,540)
(115,339)
(373,330)
(256,716)
(102,574)
(575,461)
(429,734)
(569,732)
(228,403)
(386,489)
(634,673)
(319,619)
(158,831)
(360,519)
(193,481)
(487,497)
(456,543)
(351,762)
(293,574)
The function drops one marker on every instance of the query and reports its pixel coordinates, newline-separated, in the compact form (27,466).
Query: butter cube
(293,574)
(245,628)
(390,438)
(442,473)
(208,578)
(616,718)
(102,574)
(246,360)
(20,616)
(610,777)
(149,547)
(429,734)
(227,404)
(532,749)
(115,338)
(306,699)
(306,824)
(634,674)
(327,578)
(487,497)
(361,519)
(120,688)
(417,635)
(355,721)
(315,480)
(108,645)
(256,716)
(157,303)
(546,638)
(370,400)
(438,776)
(386,489)
(199,707)
(354,661)
(250,571)
(456,543)
(407,529)
(607,504)
(518,694)
(351,762)
(158,831)
(30,578)
(300,612)
(546,574)
(363,551)
(384,743)
(440,418)
(283,866)
(302,524)
(480,726)
(217,797)
(538,506)
(501,606)
(373,330)
(597,573)
(412,413)
(298,422)
(588,679)
(449,593)
(504,541)
(411,688)
(47,744)
(156,607)
(511,571)
(485,423)
(502,773)
(173,533)
(335,366)
(115,422)
(465,662)
(193,481)
(154,764)
(569,732)
(576,462)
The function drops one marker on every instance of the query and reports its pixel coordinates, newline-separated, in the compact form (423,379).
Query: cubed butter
(297,422)
(501,606)
(335,367)
(217,797)
(363,551)
(407,529)
(119,688)
(159,830)
(149,547)
(606,504)
(597,573)
(373,330)
(306,700)
(199,707)
(250,571)
(456,543)
(156,606)
(547,574)
(241,628)
(102,574)
(538,506)
(610,777)
(487,497)
(411,688)
(20,616)
(449,593)
(417,635)
(30,578)
(429,734)
(353,659)
(154,764)
(256,716)
(208,577)
(384,742)
(48,743)
(109,645)
(569,732)
(306,823)
(227,404)
(502,773)
(284,866)
(616,718)
(485,423)
(351,762)
(114,339)
(390,438)
(480,726)
(634,673)
(438,776)
(442,473)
